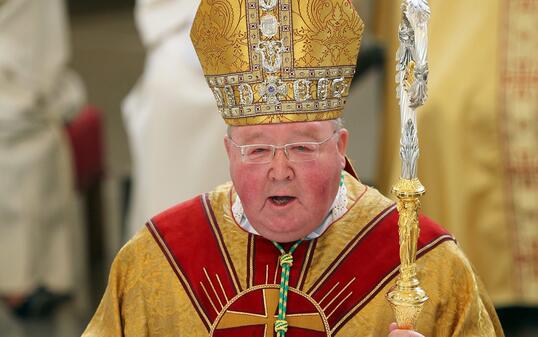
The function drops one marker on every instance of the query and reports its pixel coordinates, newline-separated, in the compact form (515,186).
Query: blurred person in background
(38,95)
(168,110)
(479,141)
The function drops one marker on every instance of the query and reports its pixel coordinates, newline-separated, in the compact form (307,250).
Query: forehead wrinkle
(254,136)
(312,131)
(308,131)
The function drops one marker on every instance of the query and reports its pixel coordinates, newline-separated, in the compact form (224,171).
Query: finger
(393,326)
(404,333)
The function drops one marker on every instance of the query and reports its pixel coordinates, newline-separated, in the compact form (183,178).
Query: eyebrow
(256,136)
(299,137)
(253,137)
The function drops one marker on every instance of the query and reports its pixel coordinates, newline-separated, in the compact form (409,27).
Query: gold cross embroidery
(234,319)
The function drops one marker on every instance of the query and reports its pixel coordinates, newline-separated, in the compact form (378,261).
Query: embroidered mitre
(276,61)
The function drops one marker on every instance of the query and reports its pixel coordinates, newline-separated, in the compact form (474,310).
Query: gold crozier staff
(407,297)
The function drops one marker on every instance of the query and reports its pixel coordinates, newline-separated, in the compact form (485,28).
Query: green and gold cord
(286,261)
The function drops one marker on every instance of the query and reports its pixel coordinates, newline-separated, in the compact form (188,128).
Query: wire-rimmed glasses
(295,152)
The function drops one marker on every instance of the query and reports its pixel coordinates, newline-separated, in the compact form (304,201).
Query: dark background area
(85,7)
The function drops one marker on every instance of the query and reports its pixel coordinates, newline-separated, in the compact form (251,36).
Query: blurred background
(105,119)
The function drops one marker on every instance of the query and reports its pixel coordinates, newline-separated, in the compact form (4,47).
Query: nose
(281,169)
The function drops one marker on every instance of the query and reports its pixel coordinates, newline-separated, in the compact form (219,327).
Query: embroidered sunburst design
(336,300)
(211,292)
(311,317)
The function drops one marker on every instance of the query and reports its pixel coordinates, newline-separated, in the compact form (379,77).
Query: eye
(257,150)
(303,148)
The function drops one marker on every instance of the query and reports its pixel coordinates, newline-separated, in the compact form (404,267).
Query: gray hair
(337,123)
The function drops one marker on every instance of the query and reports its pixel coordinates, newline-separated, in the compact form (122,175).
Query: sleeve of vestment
(107,319)
(121,312)
(144,296)
(461,307)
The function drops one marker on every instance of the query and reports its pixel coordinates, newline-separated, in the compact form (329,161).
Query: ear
(342,146)
(227,146)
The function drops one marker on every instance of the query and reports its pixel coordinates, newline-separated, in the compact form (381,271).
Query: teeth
(281,200)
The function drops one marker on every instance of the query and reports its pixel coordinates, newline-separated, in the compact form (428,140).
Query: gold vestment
(145,298)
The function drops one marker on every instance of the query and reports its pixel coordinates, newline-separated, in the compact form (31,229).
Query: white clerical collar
(338,208)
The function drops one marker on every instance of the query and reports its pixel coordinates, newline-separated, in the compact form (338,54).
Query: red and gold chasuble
(194,272)
(328,286)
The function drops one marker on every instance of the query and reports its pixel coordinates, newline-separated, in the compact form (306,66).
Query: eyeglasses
(295,152)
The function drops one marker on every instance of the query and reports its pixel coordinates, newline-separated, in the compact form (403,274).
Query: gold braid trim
(284,118)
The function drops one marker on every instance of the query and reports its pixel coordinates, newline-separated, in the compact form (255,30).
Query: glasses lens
(303,151)
(258,153)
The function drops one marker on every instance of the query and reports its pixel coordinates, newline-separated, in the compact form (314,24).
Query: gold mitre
(276,61)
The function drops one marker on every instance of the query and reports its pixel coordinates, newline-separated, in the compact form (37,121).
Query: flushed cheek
(249,189)
(316,182)
(319,191)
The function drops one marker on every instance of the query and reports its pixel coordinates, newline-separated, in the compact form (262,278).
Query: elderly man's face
(283,200)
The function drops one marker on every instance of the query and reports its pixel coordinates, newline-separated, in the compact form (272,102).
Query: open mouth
(281,200)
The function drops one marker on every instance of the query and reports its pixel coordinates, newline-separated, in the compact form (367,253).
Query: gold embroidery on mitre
(277,61)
